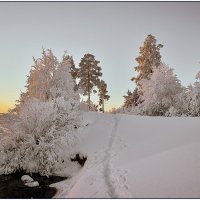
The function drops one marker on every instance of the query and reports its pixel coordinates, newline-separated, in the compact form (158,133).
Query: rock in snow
(27,179)
(32,184)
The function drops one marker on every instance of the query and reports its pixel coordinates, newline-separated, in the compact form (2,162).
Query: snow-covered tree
(130,100)
(181,105)
(45,76)
(40,78)
(46,129)
(88,73)
(71,65)
(103,96)
(159,91)
(193,97)
(62,81)
(188,103)
(149,57)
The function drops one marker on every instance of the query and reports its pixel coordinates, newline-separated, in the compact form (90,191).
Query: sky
(111,31)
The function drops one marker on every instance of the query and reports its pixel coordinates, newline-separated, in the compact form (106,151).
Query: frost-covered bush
(180,106)
(194,99)
(188,102)
(44,137)
(159,92)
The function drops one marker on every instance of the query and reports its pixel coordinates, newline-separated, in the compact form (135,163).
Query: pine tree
(88,73)
(128,99)
(149,57)
(131,99)
(103,96)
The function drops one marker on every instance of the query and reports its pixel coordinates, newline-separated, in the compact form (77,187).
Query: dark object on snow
(81,160)
(11,186)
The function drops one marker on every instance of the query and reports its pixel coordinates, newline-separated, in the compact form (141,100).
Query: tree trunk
(103,105)
(88,99)
(88,89)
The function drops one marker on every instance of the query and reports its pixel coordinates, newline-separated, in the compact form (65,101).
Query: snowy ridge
(137,157)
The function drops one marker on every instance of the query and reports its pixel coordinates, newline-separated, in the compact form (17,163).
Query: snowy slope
(138,157)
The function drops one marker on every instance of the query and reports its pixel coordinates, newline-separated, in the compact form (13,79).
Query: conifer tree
(131,99)
(88,73)
(103,96)
(128,99)
(149,57)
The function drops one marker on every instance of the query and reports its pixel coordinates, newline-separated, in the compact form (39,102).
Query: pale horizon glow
(111,31)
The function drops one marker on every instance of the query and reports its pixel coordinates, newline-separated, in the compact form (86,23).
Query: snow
(26,179)
(137,157)
(32,184)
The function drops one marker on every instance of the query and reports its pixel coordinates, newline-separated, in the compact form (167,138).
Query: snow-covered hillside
(138,157)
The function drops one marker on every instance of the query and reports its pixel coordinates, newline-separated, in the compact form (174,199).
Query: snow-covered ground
(134,156)
(138,157)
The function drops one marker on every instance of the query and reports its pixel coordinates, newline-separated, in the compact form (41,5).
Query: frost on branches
(193,98)
(188,103)
(47,125)
(160,91)
(63,84)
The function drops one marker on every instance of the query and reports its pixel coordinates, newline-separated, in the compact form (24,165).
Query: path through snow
(107,169)
(103,179)
(115,178)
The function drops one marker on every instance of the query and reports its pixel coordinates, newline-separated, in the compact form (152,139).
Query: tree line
(86,78)
(158,91)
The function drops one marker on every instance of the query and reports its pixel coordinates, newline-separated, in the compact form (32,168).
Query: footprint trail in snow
(114,178)
(107,169)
